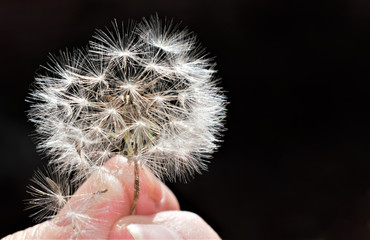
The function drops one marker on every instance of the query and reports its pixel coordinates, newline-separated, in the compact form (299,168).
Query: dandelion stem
(136,187)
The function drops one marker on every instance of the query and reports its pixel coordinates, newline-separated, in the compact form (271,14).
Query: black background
(295,161)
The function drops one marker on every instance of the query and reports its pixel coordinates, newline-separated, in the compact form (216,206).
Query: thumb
(163,225)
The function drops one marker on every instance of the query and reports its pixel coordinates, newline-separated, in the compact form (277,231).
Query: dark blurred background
(295,162)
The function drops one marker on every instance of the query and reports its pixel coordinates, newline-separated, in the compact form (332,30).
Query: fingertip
(155,195)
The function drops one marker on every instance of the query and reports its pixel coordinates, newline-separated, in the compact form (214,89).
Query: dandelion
(145,91)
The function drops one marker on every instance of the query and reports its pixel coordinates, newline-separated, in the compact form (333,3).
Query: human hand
(158,212)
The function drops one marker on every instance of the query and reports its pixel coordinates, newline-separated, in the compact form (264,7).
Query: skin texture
(158,214)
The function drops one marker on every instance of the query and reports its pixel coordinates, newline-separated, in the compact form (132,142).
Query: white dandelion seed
(50,196)
(146,91)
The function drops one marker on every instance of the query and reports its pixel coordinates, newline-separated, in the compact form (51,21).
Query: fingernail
(151,231)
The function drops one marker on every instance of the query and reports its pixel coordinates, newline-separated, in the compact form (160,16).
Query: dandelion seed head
(145,91)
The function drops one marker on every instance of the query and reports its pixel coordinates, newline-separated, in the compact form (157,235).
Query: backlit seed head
(146,91)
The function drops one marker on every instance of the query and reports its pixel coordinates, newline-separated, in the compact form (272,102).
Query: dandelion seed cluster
(145,91)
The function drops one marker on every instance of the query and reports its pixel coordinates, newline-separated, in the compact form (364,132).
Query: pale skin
(158,214)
